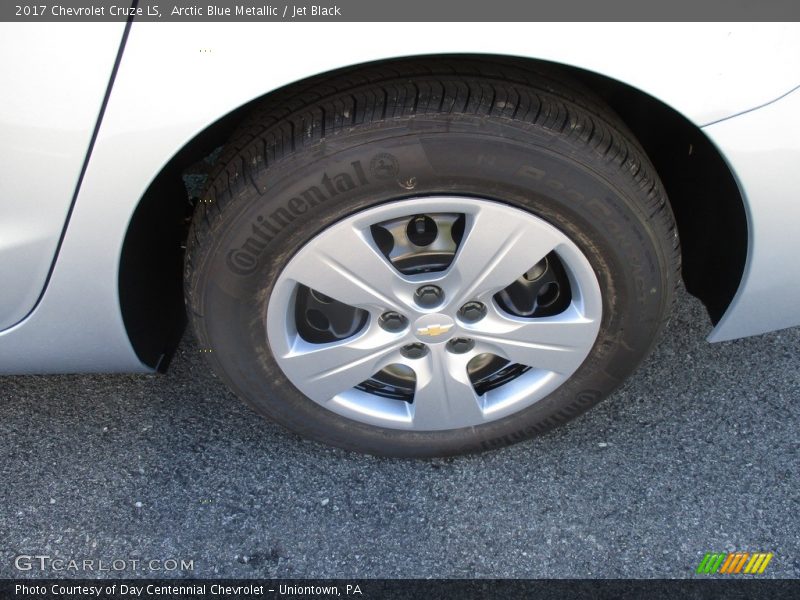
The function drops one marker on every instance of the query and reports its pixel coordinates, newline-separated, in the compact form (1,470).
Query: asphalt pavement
(697,453)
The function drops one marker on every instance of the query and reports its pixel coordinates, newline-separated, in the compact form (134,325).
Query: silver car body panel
(53,80)
(176,79)
(763,150)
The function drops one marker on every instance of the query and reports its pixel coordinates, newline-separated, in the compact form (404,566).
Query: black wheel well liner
(709,210)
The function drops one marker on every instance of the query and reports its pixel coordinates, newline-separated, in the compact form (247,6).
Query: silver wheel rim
(499,244)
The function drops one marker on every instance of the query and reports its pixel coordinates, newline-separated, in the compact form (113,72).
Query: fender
(173,81)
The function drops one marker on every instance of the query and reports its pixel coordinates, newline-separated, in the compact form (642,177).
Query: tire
(484,183)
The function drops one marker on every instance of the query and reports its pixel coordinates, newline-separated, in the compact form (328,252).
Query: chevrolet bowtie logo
(434,330)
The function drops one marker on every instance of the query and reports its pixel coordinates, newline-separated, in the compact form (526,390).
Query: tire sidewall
(276,210)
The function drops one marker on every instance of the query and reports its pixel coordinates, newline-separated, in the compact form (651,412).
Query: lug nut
(428,296)
(392,321)
(536,271)
(414,350)
(460,345)
(472,312)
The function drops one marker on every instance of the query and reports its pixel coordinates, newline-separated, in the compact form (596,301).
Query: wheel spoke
(345,264)
(497,246)
(496,249)
(323,370)
(444,397)
(558,343)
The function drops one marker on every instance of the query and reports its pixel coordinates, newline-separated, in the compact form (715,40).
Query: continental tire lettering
(599,207)
(584,399)
(253,247)
(602,209)
(244,259)
(518,436)
(588,397)
(535,174)
(554,184)
(312,197)
(343,182)
(282,216)
(531,172)
(575,195)
(240,262)
(297,206)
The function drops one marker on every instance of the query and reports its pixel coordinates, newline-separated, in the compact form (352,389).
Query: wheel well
(705,198)
(703,193)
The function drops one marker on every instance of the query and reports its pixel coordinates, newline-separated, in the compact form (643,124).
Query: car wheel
(430,260)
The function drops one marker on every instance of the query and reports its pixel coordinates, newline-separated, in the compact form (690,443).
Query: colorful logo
(434,330)
(734,563)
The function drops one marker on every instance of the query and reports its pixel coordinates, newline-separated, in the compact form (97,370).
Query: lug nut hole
(548,294)
(536,271)
(460,345)
(392,321)
(317,320)
(472,312)
(429,296)
(422,230)
(414,351)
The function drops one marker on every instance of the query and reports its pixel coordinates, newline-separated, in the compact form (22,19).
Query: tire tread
(305,115)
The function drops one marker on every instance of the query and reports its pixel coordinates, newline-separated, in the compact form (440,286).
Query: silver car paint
(156,107)
(53,79)
(763,149)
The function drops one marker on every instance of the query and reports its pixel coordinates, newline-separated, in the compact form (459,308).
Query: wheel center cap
(434,328)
